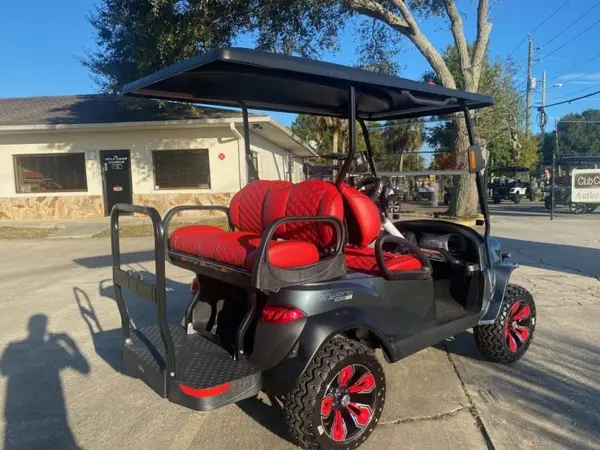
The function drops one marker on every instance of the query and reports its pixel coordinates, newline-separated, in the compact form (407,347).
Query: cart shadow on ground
(571,259)
(35,412)
(266,411)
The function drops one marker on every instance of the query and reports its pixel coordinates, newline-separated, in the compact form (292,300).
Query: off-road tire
(491,339)
(301,407)
(497,200)
(516,198)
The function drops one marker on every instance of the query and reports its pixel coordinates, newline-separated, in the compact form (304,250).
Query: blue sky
(41,41)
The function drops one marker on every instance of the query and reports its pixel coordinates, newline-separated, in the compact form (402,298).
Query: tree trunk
(464,197)
(334,145)
(401,161)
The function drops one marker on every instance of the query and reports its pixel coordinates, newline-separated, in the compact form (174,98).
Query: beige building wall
(226,176)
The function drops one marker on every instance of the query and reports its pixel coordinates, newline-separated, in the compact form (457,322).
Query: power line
(572,39)
(575,66)
(541,24)
(571,24)
(571,100)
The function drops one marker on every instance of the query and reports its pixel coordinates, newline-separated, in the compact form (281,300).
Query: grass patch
(26,233)
(145,229)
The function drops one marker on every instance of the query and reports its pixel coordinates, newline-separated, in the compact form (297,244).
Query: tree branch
(456,25)
(432,56)
(377,11)
(481,43)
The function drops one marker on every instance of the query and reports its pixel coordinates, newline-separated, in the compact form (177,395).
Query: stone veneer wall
(92,206)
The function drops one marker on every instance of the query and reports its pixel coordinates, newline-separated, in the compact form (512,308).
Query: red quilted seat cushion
(362,259)
(240,249)
(185,239)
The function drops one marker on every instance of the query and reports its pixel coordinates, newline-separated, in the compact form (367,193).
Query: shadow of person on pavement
(35,413)
(107,343)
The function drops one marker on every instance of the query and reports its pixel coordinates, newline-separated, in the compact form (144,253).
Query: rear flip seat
(252,209)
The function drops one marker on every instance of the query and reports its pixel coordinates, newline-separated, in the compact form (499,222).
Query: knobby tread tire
(490,339)
(299,405)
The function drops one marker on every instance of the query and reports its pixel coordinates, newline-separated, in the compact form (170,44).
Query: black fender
(502,272)
(317,331)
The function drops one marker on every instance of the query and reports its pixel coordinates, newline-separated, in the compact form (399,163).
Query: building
(75,156)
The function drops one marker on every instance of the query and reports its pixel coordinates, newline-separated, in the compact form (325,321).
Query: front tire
(507,340)
(497,200)
(517,198)
(339,398)
(577,208)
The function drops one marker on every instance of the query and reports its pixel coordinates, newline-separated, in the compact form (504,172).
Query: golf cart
(564,184)
(511,183)
(300,300)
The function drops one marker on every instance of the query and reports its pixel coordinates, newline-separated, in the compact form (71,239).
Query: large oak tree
(137,36)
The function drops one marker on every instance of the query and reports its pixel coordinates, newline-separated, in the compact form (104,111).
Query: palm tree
(402,137)
(323,126)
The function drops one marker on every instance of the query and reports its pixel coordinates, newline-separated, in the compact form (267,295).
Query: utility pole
(542,120)
(528,89)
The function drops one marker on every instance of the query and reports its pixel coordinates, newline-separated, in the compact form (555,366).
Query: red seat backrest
(261,202)
(306,199)
(363,221)
(247,206)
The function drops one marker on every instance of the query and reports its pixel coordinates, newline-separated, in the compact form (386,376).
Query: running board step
(206,376)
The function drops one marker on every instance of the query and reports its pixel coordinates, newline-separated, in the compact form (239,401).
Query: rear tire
(507,340)
(497,200)
(339,398)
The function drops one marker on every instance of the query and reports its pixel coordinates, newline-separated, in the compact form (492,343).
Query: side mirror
(476,159)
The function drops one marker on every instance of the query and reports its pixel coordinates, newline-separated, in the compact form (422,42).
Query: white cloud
(594,76)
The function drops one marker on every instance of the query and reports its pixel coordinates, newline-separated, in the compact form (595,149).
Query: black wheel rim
(348,405)
(517,329)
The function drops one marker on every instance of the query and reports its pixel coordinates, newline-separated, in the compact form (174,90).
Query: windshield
(417,161)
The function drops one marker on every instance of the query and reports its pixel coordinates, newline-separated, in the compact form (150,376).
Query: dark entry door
(116,174)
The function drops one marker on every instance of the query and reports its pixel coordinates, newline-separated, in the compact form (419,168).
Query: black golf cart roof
(578,160)
(269,81)
(511,169)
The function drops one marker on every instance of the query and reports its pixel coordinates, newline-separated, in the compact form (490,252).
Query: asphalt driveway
(63,386)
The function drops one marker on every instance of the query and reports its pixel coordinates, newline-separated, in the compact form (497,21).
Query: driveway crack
(472,408)
(441,416)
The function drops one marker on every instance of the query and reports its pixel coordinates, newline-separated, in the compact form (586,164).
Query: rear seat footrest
(206,376)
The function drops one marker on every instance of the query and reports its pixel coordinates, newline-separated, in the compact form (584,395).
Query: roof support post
(365,132)
(252,173)
(481,188)
(351,136)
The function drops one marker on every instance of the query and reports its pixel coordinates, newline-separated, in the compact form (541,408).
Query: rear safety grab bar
(154,292)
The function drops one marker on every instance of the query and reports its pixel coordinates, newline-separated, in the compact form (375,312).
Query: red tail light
(194,286)
(280,314)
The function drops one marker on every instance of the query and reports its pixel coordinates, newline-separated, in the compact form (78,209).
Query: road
(63,385)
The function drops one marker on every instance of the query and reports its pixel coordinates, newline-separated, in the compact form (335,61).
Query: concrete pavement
(63,385)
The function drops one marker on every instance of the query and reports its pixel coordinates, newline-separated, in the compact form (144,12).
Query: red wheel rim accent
(349,403)
(517,329)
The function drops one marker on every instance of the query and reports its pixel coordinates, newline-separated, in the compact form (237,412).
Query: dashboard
(454,244)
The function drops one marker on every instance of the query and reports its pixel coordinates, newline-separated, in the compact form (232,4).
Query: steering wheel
(372,187)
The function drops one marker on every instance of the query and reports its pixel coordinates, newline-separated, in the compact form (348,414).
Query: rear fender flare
(317,331)
(502,274)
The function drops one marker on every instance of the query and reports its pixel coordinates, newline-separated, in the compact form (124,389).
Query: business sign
(585,185)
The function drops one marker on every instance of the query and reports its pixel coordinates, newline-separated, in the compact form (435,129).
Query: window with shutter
(59,172)
(181,169)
